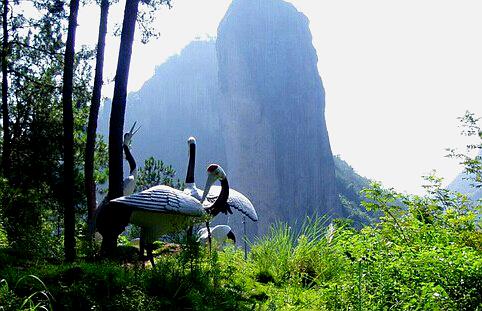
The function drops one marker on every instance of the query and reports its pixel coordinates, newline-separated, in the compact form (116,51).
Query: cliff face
(271,103)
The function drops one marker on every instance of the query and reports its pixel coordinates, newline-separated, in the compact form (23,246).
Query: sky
(397,74)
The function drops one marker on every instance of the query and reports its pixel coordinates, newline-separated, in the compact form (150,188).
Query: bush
(424,253)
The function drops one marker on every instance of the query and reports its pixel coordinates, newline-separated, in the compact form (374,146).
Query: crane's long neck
(130,159)
(220,204)
(191,165)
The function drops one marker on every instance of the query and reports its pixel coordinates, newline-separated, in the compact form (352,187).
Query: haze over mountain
(177,102)
(463,184)
(255,102)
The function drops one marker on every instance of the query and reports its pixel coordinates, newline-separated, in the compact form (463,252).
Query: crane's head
(215,172)
(128,135)
(224,231)
(191,141)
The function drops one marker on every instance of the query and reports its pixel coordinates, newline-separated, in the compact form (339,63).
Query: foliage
(40,299)
(472,164)
(349,186)
(156,172)
(421,257)
(3,236)
(146,18)
(171,285)
(32,195)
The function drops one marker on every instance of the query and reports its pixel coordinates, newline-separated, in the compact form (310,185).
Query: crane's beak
(209,182)
(132,132)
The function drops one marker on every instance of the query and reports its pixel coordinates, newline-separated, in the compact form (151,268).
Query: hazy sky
(396,74)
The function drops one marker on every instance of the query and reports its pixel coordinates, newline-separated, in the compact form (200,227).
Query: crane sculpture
(236,200)
(162,209)
(220,234)
(129,183)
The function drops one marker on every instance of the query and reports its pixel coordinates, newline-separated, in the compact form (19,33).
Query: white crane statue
(129,183)
(219,233)
(161,209)
(236,200)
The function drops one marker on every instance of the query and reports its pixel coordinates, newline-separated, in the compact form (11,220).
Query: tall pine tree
(68,123)
(117,221)
(6,154)
(90,187)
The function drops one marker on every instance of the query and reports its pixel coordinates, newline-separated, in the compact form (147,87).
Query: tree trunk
(68,122)
(117,120)
(90,188)
(5,115)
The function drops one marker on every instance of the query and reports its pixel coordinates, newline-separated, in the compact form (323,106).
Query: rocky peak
(271,106)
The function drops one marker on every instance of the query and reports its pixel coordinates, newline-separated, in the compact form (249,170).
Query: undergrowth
(425,253)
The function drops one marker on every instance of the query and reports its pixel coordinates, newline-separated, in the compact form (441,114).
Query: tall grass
(374,268)
(316,267)
(36,299)
(285,254)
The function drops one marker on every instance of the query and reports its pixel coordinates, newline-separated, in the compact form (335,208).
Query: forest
(72,239)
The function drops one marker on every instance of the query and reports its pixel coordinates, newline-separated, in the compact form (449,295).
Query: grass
(428,259)
(37,298)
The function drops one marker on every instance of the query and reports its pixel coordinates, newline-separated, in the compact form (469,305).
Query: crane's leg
(142,246)
(189,244)
(209,236)
(189,233)
(245,240)
(149,248)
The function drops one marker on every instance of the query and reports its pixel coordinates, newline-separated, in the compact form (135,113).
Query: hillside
(463,183)
(349,185)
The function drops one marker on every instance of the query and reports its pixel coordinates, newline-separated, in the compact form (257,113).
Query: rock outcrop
(255,102)
(272,112)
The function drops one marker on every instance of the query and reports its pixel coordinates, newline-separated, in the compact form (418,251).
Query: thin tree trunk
(90,188)
(68,122)
(116,128)
(5,115)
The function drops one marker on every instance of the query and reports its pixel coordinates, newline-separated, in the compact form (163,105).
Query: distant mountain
(179,101)
(349,185)
(463,183)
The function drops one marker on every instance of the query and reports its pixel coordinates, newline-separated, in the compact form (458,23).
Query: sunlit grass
(316,267)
